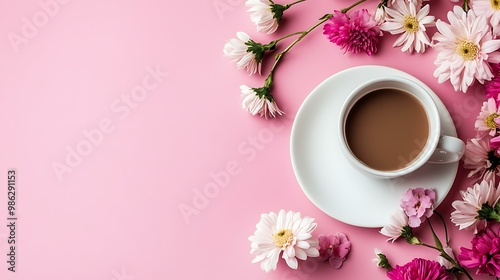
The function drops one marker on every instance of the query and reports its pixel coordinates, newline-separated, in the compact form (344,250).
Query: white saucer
(323,172)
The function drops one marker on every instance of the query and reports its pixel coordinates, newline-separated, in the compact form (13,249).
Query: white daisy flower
(405,17)
(465,48)
(245,52)
(259,101)
(261,13)
(285,233)
(491,9)
(398,223)
(466,213)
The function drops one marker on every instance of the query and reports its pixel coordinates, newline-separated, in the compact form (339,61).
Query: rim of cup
(426,101)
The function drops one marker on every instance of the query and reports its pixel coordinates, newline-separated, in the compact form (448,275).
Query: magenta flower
(334,248)
(485,252)
(357,32)
(419,269)
(492,87)
(418,204)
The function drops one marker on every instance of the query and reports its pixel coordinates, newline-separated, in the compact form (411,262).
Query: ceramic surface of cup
(390,127)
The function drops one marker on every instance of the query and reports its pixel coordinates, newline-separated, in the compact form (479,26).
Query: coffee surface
(387,129)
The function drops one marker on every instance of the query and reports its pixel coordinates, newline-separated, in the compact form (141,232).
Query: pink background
(114,213)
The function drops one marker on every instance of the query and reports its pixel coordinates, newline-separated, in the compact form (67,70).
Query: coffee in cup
(390,127)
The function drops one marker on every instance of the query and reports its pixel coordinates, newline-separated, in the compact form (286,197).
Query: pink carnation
(418,204)
(334,248)
(492,87)
(485,252)
(357,32)
(419,269)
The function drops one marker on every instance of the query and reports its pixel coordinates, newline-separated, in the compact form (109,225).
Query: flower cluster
(417,206)
(478,210)
(468,44)
(289,235)
(481,152)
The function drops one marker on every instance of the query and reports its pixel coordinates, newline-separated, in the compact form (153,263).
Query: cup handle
(449,149)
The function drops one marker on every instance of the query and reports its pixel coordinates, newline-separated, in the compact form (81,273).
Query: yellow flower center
(495,4)
(410,24)
(490,121)
(283,237)
(467,50)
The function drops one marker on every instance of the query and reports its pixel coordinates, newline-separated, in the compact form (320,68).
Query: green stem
(429,246)
(284,37)
(444,226)
(302,35)
(465,5)
(354,5)
(291,4)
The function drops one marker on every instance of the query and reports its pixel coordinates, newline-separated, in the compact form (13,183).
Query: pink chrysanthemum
(482,159)
(465,47)
(418,204)
(485,122)
(417,269)
(491,9)
(485,252)
(357,32)
(492,87)
(334,248)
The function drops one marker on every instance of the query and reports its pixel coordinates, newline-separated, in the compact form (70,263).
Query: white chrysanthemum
(286,232)
(262,104)
(237,49)
(398,222)
(466,210)
(380,15)
(404,17)
(465,47)
(262,15)
(491,9)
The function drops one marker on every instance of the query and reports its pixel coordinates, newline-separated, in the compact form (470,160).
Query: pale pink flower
(484,253)
(406,18)
(245,52)
(485,122)
(465,47)
(334,248)
(262,15)
(399,221)
(482,159)
(418,204)
(466,213)
(259,101)
(491,9)
(356,32)
(380,15)
(287,234)
(444,262)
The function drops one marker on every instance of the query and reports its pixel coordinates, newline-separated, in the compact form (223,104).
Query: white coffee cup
(437,148)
